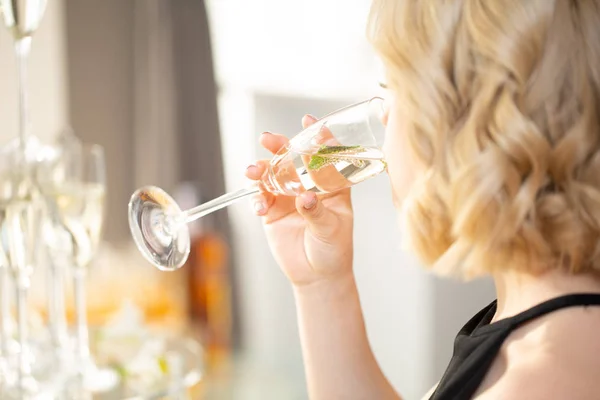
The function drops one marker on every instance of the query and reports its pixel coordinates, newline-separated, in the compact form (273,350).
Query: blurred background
(178,92)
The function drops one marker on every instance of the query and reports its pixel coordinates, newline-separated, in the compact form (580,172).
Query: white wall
(308,47)
(47,78)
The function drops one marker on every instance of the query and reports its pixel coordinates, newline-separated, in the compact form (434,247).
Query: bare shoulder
(538,381)
(552,358)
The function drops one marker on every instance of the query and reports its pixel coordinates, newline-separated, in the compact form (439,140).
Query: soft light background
(276,60)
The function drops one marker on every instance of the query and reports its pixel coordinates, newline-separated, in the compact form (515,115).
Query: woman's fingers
(262,202)
(308,120)
(256,171)
(273,141)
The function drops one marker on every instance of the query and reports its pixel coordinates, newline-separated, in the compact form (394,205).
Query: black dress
(478,343)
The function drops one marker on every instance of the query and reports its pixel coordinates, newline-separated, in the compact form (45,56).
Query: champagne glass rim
(349,106)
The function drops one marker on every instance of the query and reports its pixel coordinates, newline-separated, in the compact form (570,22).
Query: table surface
(247,379)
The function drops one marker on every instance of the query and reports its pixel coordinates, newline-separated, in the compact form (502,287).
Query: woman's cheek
(401,169)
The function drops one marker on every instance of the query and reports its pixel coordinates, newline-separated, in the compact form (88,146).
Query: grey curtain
(200,156)
(177,128)
(141,83)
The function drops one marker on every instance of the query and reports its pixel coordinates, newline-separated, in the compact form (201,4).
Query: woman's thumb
(321,222)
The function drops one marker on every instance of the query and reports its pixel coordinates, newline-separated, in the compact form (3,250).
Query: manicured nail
(259,207)
(311,117)
(310,203)
(266,133)
(251,167)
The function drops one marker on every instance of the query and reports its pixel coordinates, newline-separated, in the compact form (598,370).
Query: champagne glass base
(156,226)
(97,380)
(88,380)
(25,388)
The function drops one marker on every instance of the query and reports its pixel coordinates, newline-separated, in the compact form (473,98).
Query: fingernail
(311,117)
(310,203)
(259,207)
(266,133)
(250,167)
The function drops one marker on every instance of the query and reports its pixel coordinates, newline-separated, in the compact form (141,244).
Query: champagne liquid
(325,169)
(19,232)
(80,209)
(22,17)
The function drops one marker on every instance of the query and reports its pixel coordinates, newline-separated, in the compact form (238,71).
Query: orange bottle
(209,283)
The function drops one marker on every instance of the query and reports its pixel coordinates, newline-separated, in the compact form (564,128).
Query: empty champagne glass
(336,152)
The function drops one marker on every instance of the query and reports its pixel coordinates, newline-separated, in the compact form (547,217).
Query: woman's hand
(310,236)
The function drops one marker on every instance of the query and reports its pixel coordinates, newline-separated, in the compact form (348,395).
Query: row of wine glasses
(51,211)
(51,208)
(73,184)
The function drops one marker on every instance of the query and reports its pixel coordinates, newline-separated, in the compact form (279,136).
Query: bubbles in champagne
(79,209)
(326,169)
(21,210)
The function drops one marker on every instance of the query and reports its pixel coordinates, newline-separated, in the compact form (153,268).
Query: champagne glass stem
(220,202)
(56,307)
(82,345)
(5,310)
(22,51)
(22,287)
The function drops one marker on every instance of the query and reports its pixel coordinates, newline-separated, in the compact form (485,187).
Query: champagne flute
(23,210)
(338,151)
(50,174)
(5,339)
(22,18)
(78,197)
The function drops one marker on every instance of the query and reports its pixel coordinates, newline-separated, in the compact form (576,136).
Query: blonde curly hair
(504,105)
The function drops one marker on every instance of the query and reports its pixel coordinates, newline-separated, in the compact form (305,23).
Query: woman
(493,151)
